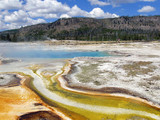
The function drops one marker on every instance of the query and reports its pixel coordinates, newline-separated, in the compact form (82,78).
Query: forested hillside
(124,28)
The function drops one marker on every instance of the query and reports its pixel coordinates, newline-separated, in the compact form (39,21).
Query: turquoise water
(39,53)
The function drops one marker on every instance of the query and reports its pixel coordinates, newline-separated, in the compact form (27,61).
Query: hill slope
(126,28)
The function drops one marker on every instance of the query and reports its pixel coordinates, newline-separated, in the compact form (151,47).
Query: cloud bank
(17,13)
(147,9)
(115,2)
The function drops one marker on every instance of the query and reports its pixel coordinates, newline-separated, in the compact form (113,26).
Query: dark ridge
(142,28)
(40,115)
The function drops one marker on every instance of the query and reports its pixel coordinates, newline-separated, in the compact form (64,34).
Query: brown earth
(40,115)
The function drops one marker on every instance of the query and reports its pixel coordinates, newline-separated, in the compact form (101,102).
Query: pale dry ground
(136,68)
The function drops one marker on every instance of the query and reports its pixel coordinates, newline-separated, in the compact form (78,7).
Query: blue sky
(17,13)
(121,9)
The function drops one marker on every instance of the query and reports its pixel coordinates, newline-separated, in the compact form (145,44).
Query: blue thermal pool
(40,53)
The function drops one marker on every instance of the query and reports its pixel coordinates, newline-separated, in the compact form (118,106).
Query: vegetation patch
(138,68)
(88,74)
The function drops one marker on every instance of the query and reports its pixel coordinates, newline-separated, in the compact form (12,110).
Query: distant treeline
(103,34)
(89,29)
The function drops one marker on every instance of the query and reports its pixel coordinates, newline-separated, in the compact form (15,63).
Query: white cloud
(5,26)
(147,9)
(1,16)
(50,16)
(16,16)
(10,4)
(99,13)
(118,2)
(5,12)
(65,16)
(76,11)
(39,14)
(29,12)
(95,13)
(148,0)
(46,8)
(115,2)
(31,21)
(98,2)
(17,19)
(2,25)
